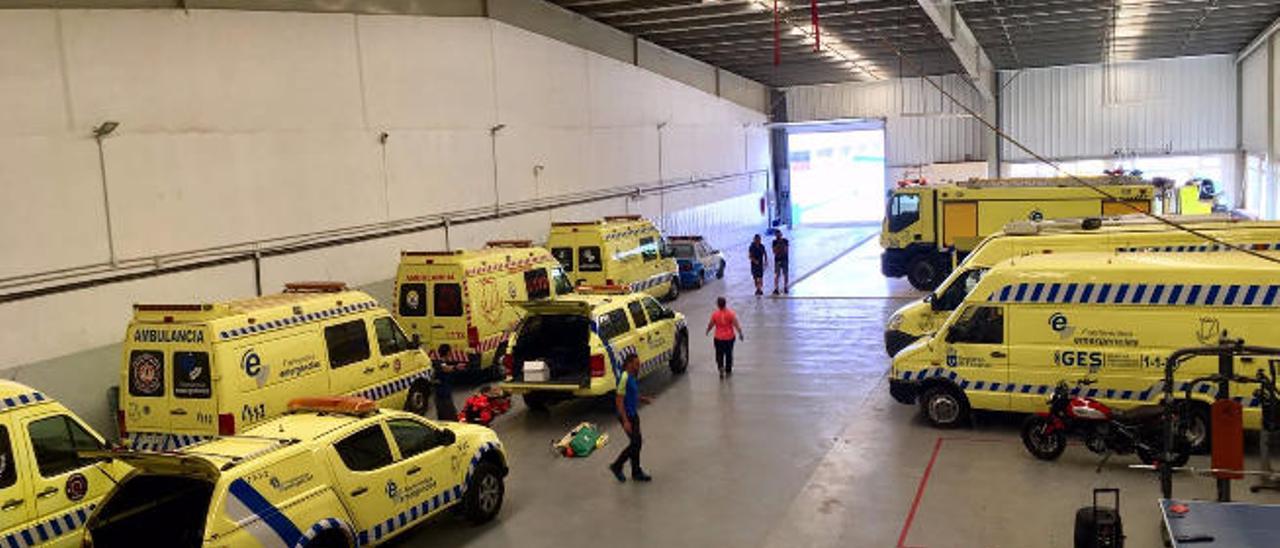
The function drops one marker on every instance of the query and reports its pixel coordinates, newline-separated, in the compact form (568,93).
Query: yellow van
(332,472)
(928,227)
(192,371)
(575,346)
(47,491)
(461,298)
(923,316)
(622,250)
(1034,321)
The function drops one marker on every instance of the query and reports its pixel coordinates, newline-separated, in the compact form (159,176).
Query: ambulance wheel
(720,271)
(923,273)
(418,401)
(329,539)
(944,406)
(674,291)
(536,402)
(484,494)
(680,355)
(702,278)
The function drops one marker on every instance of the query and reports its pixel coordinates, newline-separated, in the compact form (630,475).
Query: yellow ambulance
(928,228)
(622,250)
(333,472)
(462,298)
(574,346)
(192,371)
(923,316)
(1034,321)
(47,490)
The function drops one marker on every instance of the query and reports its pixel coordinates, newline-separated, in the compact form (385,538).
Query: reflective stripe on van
(1153,392)
(20,400)
(387,389)
(297,319)
(1198,248)
(151,441)
(49,529)
(1138,293)
(652,281)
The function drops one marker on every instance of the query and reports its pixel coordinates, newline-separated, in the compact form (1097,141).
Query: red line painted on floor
(915,504)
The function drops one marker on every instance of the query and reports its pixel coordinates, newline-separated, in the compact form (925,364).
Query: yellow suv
(46,490)
(574,346)
(335,471)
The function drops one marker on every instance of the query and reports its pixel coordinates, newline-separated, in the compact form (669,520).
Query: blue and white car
(698,261)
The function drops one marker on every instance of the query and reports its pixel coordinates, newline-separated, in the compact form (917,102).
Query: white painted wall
(238,126)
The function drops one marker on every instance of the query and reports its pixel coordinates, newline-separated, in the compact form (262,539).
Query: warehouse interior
(207,151)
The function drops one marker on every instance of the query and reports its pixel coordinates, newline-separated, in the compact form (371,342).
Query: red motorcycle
(1105,432)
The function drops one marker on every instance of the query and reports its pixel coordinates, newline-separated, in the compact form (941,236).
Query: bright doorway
(837,174)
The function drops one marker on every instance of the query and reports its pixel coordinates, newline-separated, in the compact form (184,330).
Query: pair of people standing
(781,262)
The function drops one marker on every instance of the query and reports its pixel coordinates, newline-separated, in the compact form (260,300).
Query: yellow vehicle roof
(15,394)
(610,228)
(1237,276)
(1128,224)
(478,258)
(259,313)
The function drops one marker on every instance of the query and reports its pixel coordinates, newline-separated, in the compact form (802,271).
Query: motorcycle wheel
(1043,445)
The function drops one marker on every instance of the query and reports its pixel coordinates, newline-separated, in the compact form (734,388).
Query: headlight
(895,321)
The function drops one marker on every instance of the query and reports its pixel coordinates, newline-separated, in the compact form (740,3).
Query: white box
(536,371)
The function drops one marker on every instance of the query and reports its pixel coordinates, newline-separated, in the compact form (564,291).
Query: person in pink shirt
(724,322)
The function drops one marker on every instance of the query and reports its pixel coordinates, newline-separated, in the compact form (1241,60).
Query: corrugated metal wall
(1185,105)
(921,125)
(1253,101)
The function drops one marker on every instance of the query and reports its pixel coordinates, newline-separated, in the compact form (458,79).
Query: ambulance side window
(563,285)
(390,339)
(613,324)
(656,310)
(365,450)
(904,210)
(413,300)
(589,259)
(637,314)
(8,470)
(537,283)
(648,249)
(447,300)
(565,256)
(978,325)
(414,438)
(56,440)
(348,343)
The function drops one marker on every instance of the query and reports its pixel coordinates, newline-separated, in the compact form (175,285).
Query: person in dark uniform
(628,402)
(443,373)
(758,257)
(781,260)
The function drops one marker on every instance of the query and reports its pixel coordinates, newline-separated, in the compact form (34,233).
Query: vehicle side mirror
(447,437)
(933,301)
(415,342)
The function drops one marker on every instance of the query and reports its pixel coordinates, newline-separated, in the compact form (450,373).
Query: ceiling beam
(968,50)
(1258,40)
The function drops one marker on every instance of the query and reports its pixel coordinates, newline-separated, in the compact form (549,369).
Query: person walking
(781,258)
(627,403)
(725,322)
(758,256)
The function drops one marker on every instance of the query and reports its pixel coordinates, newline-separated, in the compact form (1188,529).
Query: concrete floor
(803,446)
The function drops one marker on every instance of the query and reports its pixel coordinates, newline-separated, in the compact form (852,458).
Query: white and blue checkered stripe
(297,319)
(155,441)
(48,529)
(389,389)
(449,495)
(1139,294)
(327,524)
(627,233)
(652,281)
(1152,392)
(1203,248)
(20,400)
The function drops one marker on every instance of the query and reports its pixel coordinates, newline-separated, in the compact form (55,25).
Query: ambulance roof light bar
(337,405)
(315,287)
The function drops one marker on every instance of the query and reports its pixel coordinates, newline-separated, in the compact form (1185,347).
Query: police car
(698,261)
(333,472)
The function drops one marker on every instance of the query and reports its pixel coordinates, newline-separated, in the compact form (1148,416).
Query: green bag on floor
(584,440)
